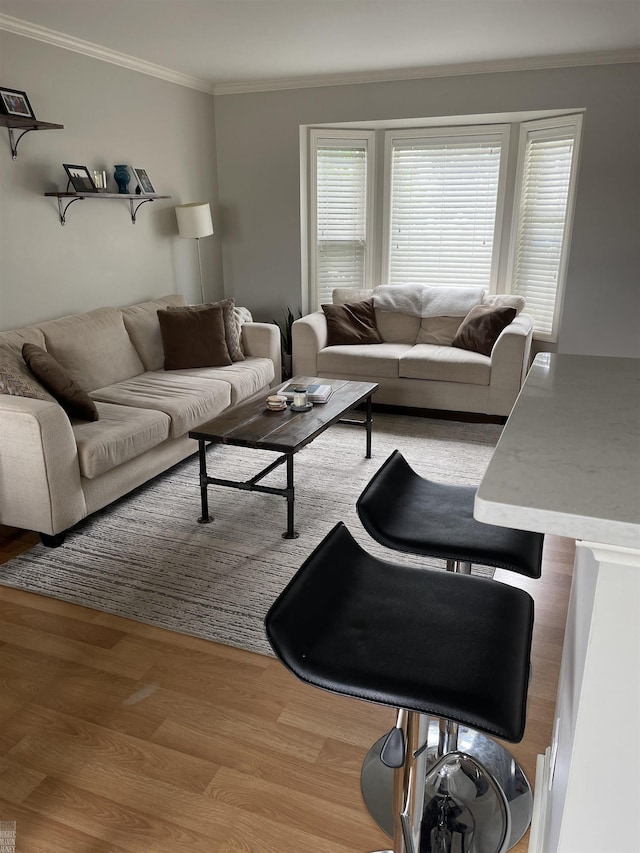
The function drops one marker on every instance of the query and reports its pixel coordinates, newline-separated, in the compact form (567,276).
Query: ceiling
(256,43)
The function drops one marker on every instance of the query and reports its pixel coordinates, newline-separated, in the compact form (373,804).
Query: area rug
(145,557)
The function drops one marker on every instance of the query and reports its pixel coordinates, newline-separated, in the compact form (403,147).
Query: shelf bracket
(13,141)
(134,210)
(62,209)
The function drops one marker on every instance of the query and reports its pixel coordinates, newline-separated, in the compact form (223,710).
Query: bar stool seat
(417,639)
(407,512)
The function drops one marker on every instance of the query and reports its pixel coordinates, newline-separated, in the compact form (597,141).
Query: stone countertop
(568,460)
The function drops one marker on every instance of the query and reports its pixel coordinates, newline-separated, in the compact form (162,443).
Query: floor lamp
(194,222)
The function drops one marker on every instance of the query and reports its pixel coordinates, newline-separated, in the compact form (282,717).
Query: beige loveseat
(55,471)
(416,365)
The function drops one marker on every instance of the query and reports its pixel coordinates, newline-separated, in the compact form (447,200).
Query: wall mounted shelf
(14,123)
(130,197)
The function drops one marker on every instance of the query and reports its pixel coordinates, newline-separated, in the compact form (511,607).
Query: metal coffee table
(251,424)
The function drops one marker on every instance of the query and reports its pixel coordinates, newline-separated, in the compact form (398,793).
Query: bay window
(443,206)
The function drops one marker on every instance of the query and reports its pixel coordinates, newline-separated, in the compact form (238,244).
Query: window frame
(333,137)
(378,206)
(470,133)
(571,120)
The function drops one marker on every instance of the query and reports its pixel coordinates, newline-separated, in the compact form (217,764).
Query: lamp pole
(200,267)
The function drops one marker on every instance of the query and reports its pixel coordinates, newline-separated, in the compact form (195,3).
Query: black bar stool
(354,624)
(406,512)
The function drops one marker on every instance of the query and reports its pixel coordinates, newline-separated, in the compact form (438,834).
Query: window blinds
(341,218)
(541,222)
(443,211)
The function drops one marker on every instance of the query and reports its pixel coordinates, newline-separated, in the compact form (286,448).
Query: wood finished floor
(118,737)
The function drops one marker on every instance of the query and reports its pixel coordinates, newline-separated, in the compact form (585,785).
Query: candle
(300,397)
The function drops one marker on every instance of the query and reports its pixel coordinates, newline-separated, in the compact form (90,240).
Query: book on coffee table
(315,393)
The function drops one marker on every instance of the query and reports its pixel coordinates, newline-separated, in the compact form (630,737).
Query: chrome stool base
(464,808)
(377,780)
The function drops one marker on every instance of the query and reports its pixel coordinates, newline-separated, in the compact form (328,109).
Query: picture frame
(80,178)
(144,181)
(15,103)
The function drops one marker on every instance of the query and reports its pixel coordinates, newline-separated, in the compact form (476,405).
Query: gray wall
(259,191)
(110,115)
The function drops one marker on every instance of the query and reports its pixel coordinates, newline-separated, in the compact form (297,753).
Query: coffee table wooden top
(251,424)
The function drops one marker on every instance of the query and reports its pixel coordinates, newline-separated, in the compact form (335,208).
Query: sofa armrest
(263,341)
(510,358)
(40,486)
(309,336)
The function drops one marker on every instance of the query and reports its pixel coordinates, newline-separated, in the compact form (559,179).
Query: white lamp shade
(194,220)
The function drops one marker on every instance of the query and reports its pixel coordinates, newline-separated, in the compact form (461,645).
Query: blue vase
(122,177)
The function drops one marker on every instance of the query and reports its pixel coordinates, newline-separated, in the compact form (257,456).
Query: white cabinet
(568,462)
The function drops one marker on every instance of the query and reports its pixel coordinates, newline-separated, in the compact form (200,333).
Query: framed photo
(14,103)
(80,178)
(144,182)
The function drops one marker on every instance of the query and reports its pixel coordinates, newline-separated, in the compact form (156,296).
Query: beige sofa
(55,471)
(416,365)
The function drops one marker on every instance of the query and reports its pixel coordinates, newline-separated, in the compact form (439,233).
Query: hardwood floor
(118,737)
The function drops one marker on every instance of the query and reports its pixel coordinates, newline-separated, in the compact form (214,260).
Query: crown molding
(96,51)
(569,60)
(125,60)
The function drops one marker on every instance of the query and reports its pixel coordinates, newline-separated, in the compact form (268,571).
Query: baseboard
(437,414)
(540,799)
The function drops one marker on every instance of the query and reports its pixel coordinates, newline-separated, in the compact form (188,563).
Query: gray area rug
(146,558)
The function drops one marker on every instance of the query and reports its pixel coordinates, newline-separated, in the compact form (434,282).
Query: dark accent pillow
(76,402)
(232,330)
(193,337)
(481,328)
(351,323)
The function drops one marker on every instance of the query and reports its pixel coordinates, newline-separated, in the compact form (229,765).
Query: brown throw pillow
(76,402)
(481,328)
(232,330)
(351,323)
(193,337)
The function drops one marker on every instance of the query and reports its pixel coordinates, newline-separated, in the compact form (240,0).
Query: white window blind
(341,210)
(542,218)
(443,200)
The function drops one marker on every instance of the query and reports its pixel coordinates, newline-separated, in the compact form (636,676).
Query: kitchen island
(568,463)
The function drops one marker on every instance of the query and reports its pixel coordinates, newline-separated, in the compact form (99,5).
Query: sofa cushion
(342,295)
(231,323)
(245,377)
(362,360)
(393,327)
(141,323)
(193,337)
(122,433)
(445,364)
(93,348)
(507,300)
(73,399)
(396,328)
(481,328)
(438,330)
(351,323)
(188,400)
